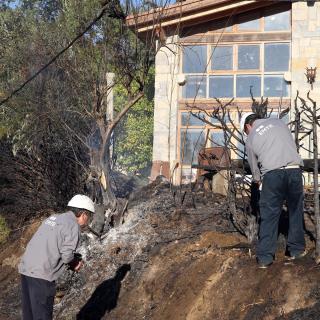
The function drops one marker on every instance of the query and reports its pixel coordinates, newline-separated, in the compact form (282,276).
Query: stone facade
(166,105)
(305,47)
(305,53)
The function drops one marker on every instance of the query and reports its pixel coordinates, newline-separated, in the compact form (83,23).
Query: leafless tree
(242,195)
(307,125)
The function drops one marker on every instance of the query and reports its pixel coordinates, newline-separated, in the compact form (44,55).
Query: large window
(235,57)
(196,134)
(234,69)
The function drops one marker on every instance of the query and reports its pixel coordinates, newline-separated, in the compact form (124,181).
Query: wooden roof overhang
(191,12)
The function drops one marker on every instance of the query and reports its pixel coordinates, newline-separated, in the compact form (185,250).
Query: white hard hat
(82,202)
(243,120)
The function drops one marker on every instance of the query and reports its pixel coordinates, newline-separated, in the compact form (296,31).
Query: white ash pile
(154,218)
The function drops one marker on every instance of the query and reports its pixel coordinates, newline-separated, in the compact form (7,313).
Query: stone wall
(165,105)
(305,45)
(305,53)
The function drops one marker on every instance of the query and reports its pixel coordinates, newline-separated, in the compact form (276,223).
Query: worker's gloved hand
(76,263)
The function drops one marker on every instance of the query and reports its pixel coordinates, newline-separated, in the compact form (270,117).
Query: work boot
(298,255)
(262,265)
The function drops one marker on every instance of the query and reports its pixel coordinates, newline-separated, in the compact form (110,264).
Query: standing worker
(275,162)
(49,251)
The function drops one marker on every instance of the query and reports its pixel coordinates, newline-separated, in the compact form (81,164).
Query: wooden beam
(245,37)
(243,104)
(177,15)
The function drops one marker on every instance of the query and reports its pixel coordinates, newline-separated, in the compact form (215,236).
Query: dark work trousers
(279,185)
(37,298)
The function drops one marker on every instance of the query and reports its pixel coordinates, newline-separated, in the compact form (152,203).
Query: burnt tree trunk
(101,159)
(108,195)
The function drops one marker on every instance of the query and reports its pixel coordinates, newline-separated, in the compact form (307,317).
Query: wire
(90,25)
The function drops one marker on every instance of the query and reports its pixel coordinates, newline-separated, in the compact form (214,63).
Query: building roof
(191,12)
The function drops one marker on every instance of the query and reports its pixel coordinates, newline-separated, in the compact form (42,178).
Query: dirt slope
(9,258)
(205,280)
(168,263)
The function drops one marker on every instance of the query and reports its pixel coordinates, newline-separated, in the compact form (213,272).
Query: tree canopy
(61,110)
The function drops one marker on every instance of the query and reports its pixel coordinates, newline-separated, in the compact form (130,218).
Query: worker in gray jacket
(52,249)
(275,162)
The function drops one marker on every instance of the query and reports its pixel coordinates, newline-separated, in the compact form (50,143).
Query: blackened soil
(176,256)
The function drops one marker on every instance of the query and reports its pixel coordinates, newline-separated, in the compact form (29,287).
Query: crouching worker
(52,249)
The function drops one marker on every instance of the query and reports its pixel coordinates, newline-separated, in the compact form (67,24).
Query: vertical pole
(109,107)
(315,179)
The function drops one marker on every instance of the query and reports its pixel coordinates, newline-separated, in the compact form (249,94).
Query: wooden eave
(192,12)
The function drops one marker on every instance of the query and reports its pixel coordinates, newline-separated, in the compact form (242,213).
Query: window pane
(195,87)
(214,120)
(222,58)
(253,24)
(244,82)
(248,57)
(191,141)
(237,147)
(221,87)
(217,139)
(278,21)
(240,150)
(194,59)
(276,56)
(275,86)
(187,119)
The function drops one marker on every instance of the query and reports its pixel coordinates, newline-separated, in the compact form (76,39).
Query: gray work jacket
(51,247)
(270,146)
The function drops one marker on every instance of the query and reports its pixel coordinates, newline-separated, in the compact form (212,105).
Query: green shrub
(4,230)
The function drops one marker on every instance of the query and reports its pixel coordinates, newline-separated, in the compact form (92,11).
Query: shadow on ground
(105,297)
